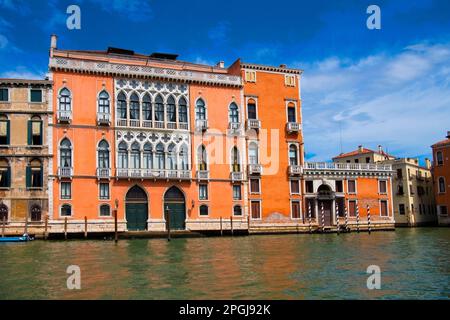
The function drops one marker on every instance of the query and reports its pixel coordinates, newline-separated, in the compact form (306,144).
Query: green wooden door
(177,216)
(136,216)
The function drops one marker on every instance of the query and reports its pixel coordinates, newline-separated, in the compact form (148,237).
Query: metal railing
(103,118)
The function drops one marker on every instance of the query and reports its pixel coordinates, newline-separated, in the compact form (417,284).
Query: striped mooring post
(309,217)
(323,217)
(357,217)
(368,218)
(346,218)
(337,218)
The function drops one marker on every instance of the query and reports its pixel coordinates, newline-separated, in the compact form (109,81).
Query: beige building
(414,203)
(24,152)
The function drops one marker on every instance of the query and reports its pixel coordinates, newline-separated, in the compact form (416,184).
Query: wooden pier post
(337,218)
(65,228)
(45,227)
(357,217)
(309,217)
(368,219)
(85,227)
(3,226)
(346,218)
(168,222)
(323,217)
(231,225)
(116,236)
(221,227)
(25,231)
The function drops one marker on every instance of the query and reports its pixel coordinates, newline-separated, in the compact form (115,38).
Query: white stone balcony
(234,125)
(202,174)
(65,172)
(103,173)
(149,124)
(253,124)
(154,174)
(295,170)
(335,166)
(254,169)
(201,125)
(103,118)
(64,116)
(237,176)
(293,127)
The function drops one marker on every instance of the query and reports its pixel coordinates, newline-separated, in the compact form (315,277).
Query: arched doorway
(175,202)
(325,198)
(136,209)
(36,213)
(3,212)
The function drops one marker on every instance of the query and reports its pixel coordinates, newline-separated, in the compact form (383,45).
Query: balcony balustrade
(334,166)
(293,127)
(202,174)
(295,170)
(237,176)
(103,173)
(201,125)
(254,169)
(154,174)
(253,124)
(152,124)
(64,116)
(65,172)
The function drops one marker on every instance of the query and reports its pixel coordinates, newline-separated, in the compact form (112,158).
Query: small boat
(23,238)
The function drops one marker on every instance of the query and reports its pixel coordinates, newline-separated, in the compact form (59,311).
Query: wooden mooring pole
(65,228)
(85,227)
(231,225)
(3,226)
(323,217)
(337,218)
(309,217)
(168,222)
(368,219)
(357,218)
(116,236)
(25,231)
(221,227)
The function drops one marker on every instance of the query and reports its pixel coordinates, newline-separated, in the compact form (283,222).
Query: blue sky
(370,87)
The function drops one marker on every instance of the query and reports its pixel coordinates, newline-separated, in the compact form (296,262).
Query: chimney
(380,149)
(360,148)
(53,41)
(448,134)
(221,64)
(427,163)
(283,66)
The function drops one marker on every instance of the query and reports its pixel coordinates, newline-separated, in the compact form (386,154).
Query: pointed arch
(160,162)
(122,155)
(65,99)
(134,106)
(65,153)
(103,102)
(200,109)
(233,113)
(147,107)
(202,159)
(121,105)
(103,153)
(171,111)
(159,108)
(182,110)
(235,159)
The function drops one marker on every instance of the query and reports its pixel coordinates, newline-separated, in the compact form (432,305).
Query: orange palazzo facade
(197,147)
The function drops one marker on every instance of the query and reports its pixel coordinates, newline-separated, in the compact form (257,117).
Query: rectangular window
(309,187)
(295,186)
(4,95)
(351,184)
(367,160)
(250,76)
(443,210)
(66,190)
(356,160)
(254,186)
(251,111)
(5,177)
(34,178)
(256,209)
(203,191)
(384,208)
(35,95)
(237,192)
(35,132)
(291,114)
(295,209)
(383,186)
(399,173)
(439,158)
(104,191)
(401,209)
(4,132)
(289,80)
(339,186)
(352,208)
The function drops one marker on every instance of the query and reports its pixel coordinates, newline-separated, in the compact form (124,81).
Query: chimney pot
(283,66)
(53,41)
(360,148)
(221,64)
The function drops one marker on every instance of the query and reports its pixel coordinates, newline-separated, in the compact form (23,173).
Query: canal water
(414,263)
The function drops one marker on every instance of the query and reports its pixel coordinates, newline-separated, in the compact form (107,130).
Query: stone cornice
(146,72)
(270,68)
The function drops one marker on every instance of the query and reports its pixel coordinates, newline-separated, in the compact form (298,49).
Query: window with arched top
(200,110)
(5,173)
(135,156)
(148,156)
(35,213)
(293,155)
(121,106)
(233,113)
(202,160)
(251,109)
(65,100)
(172,157)
(203,210)
(182,110)
(103,102)
(235,161)
(65,153)
(184,158)
(147,107)
(441,185)
(159,108)
(3,212)
(171,112)
(160,159)
(123,155)
(134,107)
(103,154)
(291,112)
(253,153)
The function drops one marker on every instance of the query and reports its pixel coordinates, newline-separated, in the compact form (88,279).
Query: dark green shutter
(42,176)
(28,177)
(7,132)
(30,132)
(8,178)
(41,133)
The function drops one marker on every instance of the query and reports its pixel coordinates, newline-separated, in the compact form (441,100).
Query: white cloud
(22,72)
(400,101)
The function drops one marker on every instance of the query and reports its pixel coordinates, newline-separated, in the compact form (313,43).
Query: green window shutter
(28,177)
(8,132)
(8,178)
(42,133)
(30,132)
(42,176)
